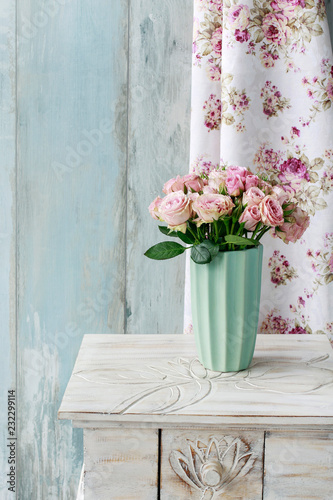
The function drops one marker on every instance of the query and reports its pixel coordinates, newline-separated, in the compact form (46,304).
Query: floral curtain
(262,95)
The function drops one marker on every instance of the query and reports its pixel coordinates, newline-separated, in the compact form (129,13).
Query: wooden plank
(158,378)
(198,464)
(119,466)
(298,465)
(72,75)
(7,228)
(80,491)
(159,119)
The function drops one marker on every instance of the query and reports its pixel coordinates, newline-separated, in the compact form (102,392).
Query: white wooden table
(157,425)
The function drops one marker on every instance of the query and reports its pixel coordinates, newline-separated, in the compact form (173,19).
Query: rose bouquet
(228,209)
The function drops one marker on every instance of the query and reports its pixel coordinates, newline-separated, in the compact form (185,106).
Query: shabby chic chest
(157,425)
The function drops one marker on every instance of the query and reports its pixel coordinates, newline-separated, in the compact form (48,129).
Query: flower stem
(193,234)
(216,227)
(262,232)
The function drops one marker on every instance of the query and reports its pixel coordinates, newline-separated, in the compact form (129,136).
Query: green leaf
(211,246)
(185,238)
(165,250)
(204,252)
(238,240)
(286,213)
(200,255)
(166,231)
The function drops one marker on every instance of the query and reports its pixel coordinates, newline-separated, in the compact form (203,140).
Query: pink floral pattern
(273,102)
(212,108)
(321,261)
(234,104)
(310,180)
(262,98)
(319,90)
(280,269)
(280,29)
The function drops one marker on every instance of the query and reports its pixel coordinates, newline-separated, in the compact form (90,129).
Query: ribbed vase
(225,297)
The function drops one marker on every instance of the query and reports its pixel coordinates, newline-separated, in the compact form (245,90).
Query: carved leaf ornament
(211,468)
(180,383)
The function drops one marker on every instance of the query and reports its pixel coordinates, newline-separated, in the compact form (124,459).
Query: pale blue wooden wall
(95,103)
(95,108)
(7,223)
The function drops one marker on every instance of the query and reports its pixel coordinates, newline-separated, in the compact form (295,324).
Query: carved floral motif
(211,468)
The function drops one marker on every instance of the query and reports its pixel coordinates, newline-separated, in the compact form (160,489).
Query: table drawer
(298,465)
(120,464)
(205,464)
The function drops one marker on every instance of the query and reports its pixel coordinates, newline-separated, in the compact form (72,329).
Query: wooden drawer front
(299,465)
(201,464)
(120,464)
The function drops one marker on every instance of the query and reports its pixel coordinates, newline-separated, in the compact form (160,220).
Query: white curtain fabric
(262,93)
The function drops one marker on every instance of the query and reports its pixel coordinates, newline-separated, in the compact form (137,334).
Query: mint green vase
(225,297)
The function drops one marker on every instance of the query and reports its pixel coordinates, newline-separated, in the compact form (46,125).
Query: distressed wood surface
(72,77)
(80,491)
(196,464)
(159,119)
(7,226)
(120,466)
(299,465)
(158,379)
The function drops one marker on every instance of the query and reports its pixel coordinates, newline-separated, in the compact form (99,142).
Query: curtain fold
(262,92)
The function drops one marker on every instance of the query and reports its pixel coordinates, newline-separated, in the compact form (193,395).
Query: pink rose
(253,196)
(275,28)
(209,190)
(251,181)
(217,178)
(265,186)
(234,184)
(210,207)
(293,231)
(216,41)
(154,208)
(235,181)
(175,210)
(239,16)
(271,212)
(193,182)
(293,171)
(193,196)
(241,171)
(282,195)
(173,185)
(251,216)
